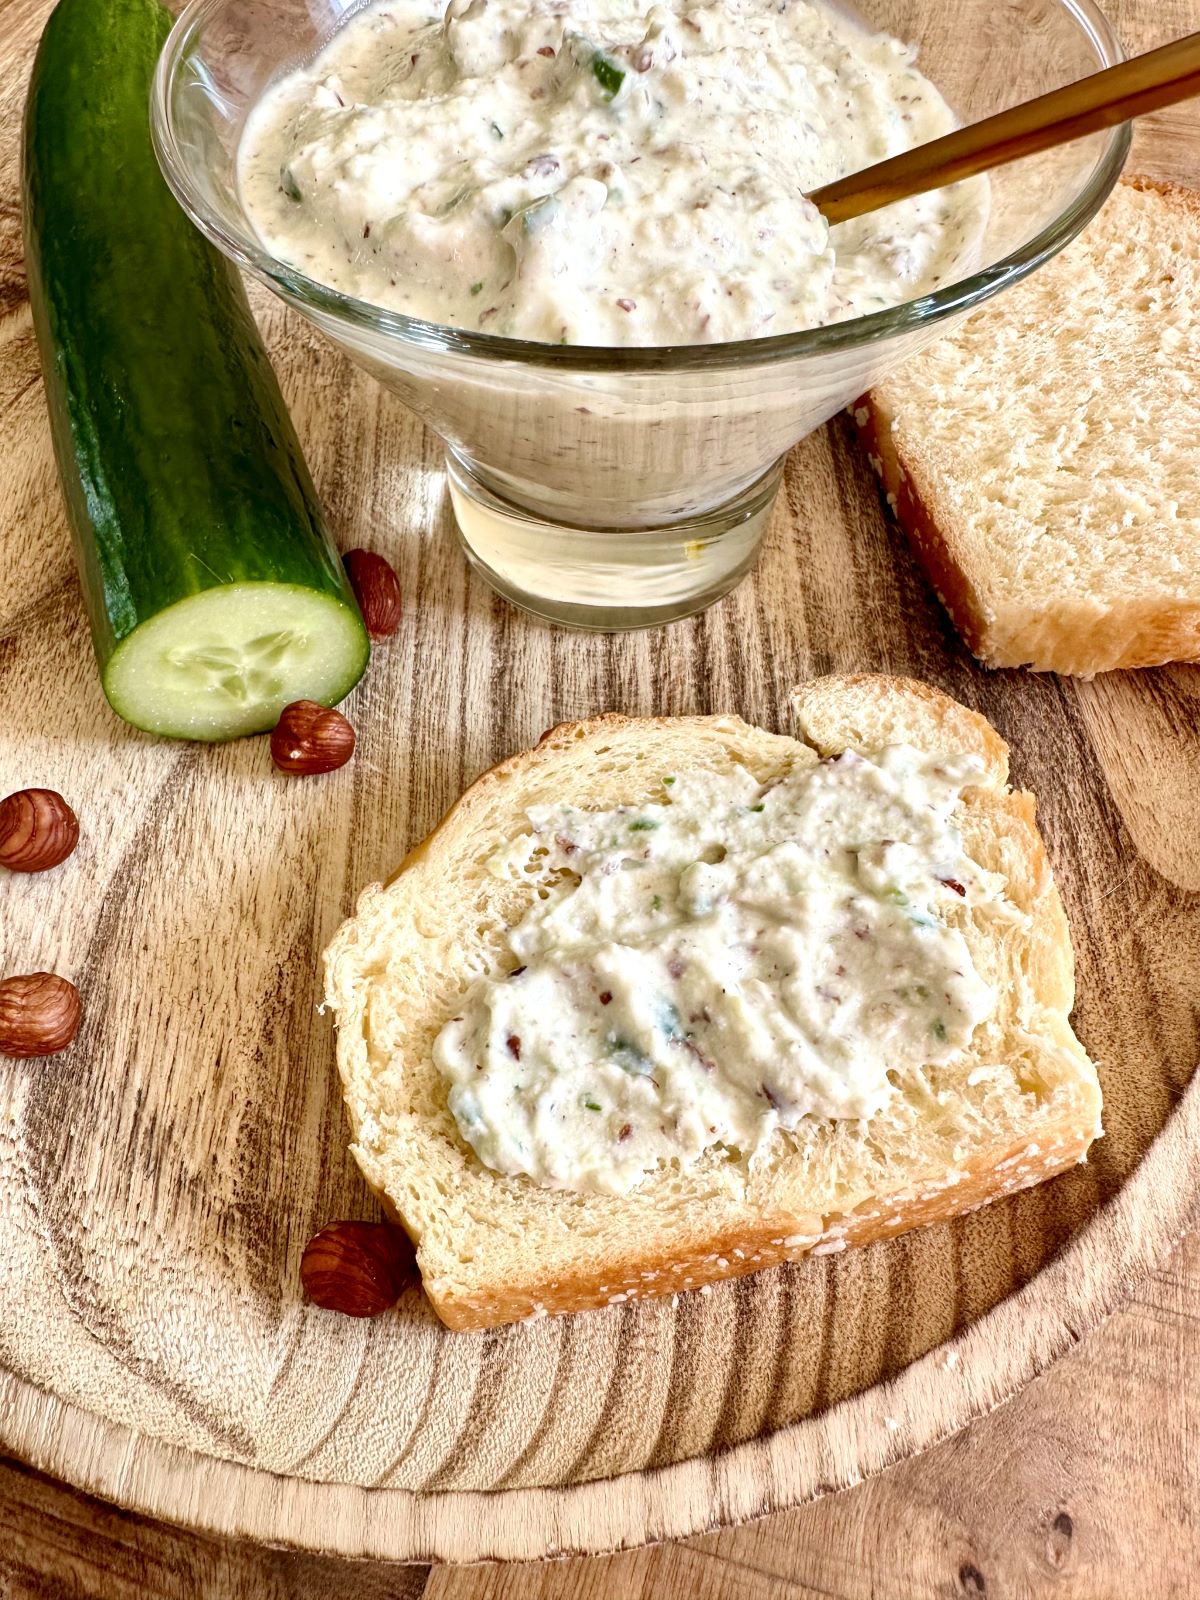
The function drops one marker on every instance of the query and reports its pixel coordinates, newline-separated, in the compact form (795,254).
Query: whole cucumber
(215,594)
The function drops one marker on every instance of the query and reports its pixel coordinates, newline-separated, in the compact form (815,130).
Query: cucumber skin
(180,468)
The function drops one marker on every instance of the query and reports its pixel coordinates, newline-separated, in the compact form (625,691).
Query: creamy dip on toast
(718,964)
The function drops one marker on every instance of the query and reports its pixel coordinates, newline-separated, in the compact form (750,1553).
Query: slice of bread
(1045,458)
(1020,1104)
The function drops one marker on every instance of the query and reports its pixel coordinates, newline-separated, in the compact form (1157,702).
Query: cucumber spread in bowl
(613,172)
(214,592)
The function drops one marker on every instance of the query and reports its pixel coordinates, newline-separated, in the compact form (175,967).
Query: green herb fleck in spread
(607,74)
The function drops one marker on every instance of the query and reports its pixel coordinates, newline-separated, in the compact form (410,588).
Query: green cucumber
(215,594)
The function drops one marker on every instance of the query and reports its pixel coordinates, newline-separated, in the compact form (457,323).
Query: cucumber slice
(226,661)
(213,589)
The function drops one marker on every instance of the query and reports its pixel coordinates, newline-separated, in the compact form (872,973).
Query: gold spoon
(1102,100)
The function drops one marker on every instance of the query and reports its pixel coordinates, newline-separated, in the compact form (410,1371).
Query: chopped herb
(758,807)
(497,130)
(629,1057)
(939,1029)
(897,895)
(643,825)
(668,782)
(593,1105)
(287,182)
(656,903)
(607,74)
(476,288)
(667,1018)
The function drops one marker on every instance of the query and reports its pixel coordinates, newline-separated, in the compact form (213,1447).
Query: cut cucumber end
(225,662)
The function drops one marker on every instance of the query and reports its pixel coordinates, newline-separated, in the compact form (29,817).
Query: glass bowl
(619,487)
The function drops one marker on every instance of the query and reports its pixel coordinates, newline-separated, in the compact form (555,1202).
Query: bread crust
(829,713)
(908,497)
(1055,636)
(737,1253)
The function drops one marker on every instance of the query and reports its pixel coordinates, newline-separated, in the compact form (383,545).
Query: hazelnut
(39,1014)
(311,738)
(377,590)
(38,829)
(358,1268)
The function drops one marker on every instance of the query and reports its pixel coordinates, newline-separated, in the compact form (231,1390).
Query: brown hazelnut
(358,1268)
(377,590)
(39,1014)
(38,829)
(311,738)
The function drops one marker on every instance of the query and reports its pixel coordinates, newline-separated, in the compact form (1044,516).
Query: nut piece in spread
(357,1268)
(38,830)
(377,590)
(39,1014)
(311,738)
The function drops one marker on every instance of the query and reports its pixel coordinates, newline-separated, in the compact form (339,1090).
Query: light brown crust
(736,1254)
(826,719)
(1056,638)
(907,499)
(476,796)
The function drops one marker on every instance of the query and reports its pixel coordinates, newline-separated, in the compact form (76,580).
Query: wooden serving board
(158,1183)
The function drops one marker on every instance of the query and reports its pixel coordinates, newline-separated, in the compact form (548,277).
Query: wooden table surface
(1087,1484)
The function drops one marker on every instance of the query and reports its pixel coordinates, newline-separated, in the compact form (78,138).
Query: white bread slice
(1020,1105)
(1045,458)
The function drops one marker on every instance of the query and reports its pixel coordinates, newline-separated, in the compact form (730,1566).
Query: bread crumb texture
(1045,457)
(1021,1103)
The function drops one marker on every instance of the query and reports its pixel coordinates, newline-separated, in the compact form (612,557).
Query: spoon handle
(1101,100)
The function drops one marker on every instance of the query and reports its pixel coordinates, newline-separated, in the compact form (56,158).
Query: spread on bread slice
(606,1035)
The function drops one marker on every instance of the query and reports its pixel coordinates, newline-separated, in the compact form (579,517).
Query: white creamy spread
(603,171)
(717,965)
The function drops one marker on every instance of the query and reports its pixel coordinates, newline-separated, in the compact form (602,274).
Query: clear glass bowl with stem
(620,487)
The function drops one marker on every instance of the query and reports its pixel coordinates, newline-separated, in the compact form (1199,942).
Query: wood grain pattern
(159,1183)
(1084,1486)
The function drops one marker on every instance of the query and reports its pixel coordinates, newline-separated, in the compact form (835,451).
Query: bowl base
(603,578)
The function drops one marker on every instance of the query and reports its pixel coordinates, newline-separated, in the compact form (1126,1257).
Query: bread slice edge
(1066,634)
